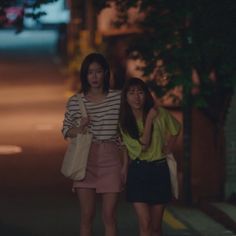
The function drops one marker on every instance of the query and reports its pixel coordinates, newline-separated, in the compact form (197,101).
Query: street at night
(35,199)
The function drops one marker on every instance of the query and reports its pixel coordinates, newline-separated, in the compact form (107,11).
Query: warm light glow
(44,127)
(134,67)
(108,17)
(9,149)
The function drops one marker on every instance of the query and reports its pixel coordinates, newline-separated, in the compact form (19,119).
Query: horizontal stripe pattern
(104,115)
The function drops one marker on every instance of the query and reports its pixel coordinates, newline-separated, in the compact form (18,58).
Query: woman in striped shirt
(105,170)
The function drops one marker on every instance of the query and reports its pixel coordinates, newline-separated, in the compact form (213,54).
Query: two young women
(148,183)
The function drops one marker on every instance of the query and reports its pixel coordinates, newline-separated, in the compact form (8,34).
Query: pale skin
(87,197)
(136,98)
(149,216)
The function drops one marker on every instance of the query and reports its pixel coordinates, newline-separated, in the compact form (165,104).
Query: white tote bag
(76,156)
(172,164)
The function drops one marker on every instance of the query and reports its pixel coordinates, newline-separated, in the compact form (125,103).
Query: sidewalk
(49,213)
(202,222)
(222,212)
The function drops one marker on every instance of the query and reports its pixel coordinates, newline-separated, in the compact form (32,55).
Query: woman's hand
(72,132)
(152,114)
(147,132)
(84,122)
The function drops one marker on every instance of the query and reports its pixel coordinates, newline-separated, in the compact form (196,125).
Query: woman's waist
(100,141)
(148,157)
(138,162)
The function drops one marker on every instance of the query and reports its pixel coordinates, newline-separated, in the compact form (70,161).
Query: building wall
(230,137)
(207,164)
(207,158)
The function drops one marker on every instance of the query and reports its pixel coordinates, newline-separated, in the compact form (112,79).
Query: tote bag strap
(82,106)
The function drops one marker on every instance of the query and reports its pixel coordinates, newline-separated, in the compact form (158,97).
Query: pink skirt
(103,171)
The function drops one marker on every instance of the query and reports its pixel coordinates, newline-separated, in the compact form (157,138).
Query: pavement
(222,212)
(49,213)
(206,222)
(35,199)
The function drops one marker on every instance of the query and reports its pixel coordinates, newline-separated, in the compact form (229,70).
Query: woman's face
(95,75)
(136,98)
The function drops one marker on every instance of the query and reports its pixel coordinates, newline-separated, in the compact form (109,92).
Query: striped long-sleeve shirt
(103,115)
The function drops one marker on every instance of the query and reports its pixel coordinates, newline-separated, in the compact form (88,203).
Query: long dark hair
(89,59)
(127,120)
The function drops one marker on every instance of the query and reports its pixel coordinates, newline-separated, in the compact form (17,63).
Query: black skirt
(148,182)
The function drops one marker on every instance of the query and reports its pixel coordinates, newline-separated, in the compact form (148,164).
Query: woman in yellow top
(148,133)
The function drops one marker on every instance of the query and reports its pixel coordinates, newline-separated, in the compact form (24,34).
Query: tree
(188,37)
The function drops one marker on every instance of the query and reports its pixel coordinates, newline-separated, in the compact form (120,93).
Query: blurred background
(184,50)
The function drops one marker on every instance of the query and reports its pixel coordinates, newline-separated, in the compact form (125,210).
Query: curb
(218,215)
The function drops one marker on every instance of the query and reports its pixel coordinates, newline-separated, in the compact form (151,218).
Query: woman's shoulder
(161,114)
(72,100)
(167,116)
(74,96)
(163,111)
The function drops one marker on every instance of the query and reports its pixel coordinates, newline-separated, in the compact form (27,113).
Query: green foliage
(101,4)
(187,35)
